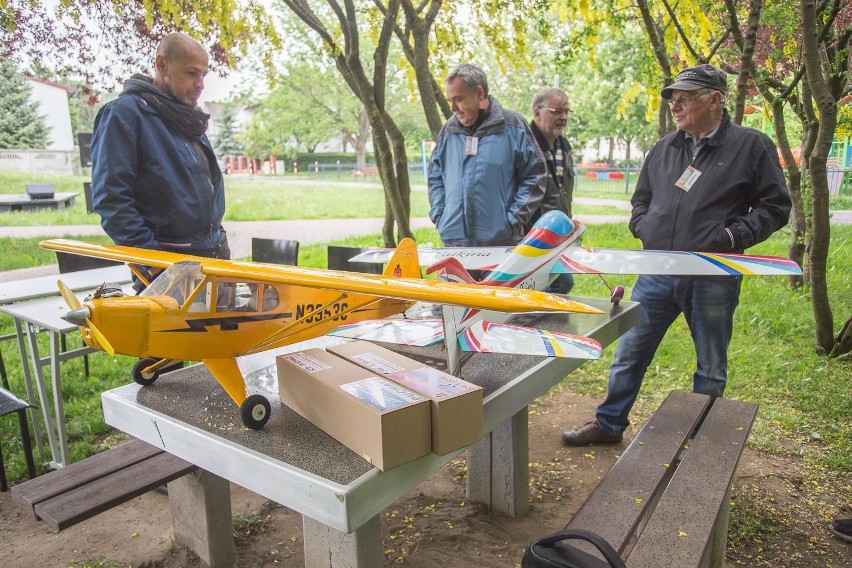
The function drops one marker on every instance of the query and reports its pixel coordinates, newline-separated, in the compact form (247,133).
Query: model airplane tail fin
(451,270)
(544,242)
(404,262)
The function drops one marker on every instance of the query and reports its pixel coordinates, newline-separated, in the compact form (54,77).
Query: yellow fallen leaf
(740,429)
(134,535)
(666,465)
(681,533)
(638,500)
(641,443)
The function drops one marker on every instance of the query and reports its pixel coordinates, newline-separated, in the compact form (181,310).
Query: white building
(52,99)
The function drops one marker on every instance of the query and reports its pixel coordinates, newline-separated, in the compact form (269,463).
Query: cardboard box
(376,418)
(456,404)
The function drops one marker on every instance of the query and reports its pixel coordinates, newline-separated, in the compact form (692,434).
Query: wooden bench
(79,491)
(665,501)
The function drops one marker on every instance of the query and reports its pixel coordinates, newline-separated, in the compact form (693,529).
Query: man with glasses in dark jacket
(156,182)
(712,186)
(550,117)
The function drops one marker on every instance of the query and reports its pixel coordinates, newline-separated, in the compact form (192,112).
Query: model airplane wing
(473,258)
(471,295)
(415,332)
(577,260)
(481,337)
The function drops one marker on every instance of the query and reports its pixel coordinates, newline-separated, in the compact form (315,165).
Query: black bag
(551,552)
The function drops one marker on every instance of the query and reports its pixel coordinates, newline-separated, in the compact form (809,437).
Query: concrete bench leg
(498,467)
(201,517)
(326,547)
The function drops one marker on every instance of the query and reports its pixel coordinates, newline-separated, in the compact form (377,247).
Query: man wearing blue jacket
(486,174)
(156,182)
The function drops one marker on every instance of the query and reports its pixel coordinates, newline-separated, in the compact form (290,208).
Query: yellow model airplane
(211,310)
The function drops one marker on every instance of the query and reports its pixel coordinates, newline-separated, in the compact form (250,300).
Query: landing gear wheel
(617,295)
(255,411)
(141,377)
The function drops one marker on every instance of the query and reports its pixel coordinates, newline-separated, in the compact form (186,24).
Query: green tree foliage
(226,143)
(308,106)
(20,124)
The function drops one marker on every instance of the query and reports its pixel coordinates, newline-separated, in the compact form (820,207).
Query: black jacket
(739,199)
(555,197)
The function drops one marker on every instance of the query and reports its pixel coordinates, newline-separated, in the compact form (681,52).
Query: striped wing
(576,260)
(490,337)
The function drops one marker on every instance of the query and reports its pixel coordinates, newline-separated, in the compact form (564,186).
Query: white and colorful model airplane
(213,311)
(549,249)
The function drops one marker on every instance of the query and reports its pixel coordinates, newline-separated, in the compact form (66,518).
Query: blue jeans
(707,303)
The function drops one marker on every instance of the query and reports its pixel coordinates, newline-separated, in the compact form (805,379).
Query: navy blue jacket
(148,184)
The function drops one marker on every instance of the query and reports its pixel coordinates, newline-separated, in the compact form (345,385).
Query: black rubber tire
(255,412)
(140,377)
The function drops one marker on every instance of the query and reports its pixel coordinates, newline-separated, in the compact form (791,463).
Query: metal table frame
(45,314)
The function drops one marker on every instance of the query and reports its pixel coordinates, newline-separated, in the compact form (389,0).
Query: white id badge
(688,178)
(471,145)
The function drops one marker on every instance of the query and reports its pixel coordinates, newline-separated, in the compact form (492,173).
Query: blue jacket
(486,198)
(148,184)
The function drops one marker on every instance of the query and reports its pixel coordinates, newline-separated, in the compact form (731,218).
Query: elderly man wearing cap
(712,186)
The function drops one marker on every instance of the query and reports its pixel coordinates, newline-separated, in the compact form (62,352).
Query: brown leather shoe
(588,434)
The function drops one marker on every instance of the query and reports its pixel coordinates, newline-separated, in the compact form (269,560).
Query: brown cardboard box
(378,419)
(456,404)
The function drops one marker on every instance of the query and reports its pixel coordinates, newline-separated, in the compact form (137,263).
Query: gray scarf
(192,121)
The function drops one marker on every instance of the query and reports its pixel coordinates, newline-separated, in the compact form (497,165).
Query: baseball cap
(698,77)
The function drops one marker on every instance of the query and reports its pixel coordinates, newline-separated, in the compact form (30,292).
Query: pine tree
(20,124)
(226,144)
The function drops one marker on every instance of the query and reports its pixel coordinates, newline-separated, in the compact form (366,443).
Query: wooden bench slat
(622,499)
(108,491)
(80,473)
(682,526)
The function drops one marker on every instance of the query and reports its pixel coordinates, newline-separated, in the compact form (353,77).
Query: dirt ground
(433,525)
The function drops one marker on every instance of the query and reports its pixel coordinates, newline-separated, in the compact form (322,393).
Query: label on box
(431,382)
(380,393)
(376,363)
(306,362)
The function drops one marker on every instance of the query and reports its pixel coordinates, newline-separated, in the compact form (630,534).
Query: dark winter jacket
(555,196)
(148,184)
(739,199)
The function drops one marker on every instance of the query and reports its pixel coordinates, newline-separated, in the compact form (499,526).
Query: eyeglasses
(682,101)
(558,111)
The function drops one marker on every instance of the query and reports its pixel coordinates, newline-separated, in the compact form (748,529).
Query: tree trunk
(347,57)
(818,251)
(798,221)
(746,44)
(658,45)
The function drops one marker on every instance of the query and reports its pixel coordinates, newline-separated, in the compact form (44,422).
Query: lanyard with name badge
(471,145)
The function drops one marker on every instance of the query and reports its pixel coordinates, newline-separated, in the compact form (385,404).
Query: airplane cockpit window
(236,297)
(270,297)
(177,282)
(199,304)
